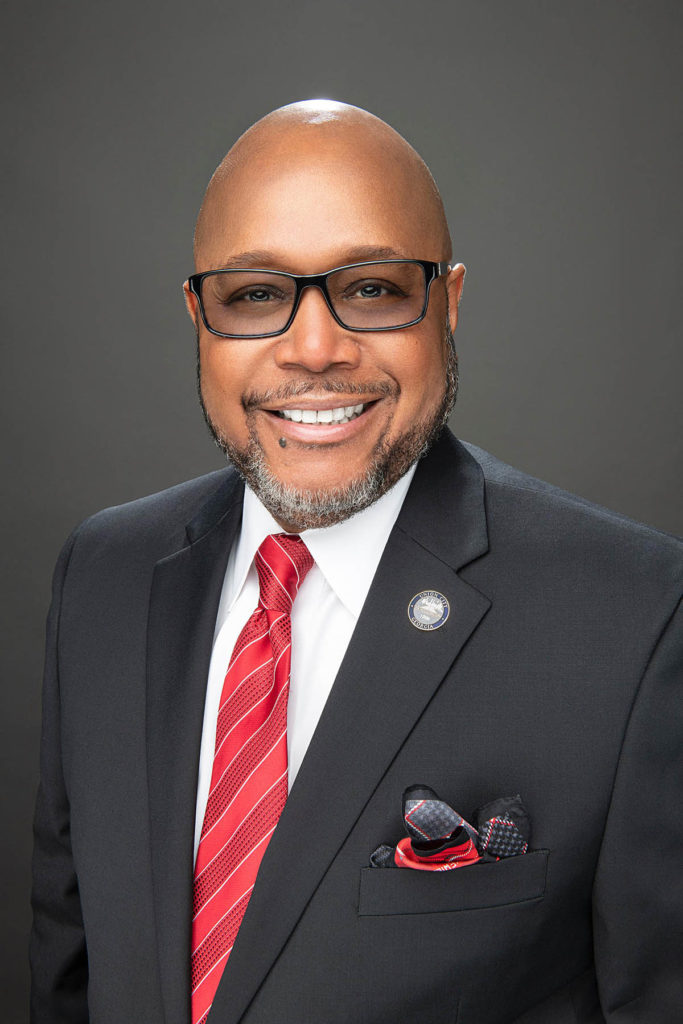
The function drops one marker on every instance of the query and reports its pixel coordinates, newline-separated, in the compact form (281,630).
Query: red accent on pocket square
(452,855)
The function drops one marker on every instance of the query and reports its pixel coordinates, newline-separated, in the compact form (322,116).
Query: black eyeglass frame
(431,271)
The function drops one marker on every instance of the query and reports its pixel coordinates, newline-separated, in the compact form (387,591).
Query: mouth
(322,421)
(337,415)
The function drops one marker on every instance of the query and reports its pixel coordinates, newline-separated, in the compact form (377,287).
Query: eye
(371,290)
(257,294)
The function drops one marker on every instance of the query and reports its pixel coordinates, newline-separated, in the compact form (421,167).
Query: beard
(308,508)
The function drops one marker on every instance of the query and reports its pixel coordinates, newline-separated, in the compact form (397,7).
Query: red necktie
(249,778)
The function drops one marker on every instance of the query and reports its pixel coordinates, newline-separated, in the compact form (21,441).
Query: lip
(320,433)
(326,402)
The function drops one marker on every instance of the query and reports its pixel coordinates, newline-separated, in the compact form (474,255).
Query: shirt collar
(347,553)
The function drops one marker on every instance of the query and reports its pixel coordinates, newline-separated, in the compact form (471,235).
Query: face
(395,387)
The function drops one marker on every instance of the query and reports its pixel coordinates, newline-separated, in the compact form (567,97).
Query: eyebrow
(265,258)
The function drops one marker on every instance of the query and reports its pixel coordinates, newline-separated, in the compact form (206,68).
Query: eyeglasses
(373,296)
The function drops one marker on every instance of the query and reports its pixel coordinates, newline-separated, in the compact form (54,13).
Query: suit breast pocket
(389,891)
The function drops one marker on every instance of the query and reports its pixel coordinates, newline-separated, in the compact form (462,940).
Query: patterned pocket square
(440,839)
(504,828)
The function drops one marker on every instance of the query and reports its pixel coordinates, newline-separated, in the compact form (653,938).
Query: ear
(191,303)
(454,283)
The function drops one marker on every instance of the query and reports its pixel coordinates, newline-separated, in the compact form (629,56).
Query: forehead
(313,210)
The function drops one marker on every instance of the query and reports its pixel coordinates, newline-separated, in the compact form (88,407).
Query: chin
(311,505)
(321,500)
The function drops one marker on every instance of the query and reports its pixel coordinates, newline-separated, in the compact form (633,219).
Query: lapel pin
(428,610)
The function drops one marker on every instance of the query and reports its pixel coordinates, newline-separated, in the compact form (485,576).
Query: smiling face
(322,420)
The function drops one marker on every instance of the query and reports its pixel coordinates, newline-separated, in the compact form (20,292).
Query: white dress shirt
(324,616)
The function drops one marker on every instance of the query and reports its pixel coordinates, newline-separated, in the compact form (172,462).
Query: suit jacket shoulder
(555,531)
(160,522)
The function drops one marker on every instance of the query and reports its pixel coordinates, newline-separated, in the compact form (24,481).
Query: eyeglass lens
(371,296)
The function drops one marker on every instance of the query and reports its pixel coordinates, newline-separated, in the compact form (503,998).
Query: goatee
(305,509)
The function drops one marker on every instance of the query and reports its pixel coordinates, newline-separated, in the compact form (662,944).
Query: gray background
(554,131)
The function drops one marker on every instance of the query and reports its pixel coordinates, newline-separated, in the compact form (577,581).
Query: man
(454,625)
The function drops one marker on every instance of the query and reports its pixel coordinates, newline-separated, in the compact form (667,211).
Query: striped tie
(249,778)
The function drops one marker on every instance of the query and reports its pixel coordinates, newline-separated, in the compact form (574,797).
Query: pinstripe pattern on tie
(249,778)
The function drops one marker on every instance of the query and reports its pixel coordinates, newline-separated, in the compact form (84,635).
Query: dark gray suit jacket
(557,676)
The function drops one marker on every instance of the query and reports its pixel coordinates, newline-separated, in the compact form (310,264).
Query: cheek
(225,365)
(422,374)
(222,378)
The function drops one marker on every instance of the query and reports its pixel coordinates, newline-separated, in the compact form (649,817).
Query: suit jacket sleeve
(57,949)
(638,894)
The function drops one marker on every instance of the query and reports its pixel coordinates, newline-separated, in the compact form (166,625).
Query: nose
(315,341)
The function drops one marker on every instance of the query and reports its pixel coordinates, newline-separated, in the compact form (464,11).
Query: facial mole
(282,442)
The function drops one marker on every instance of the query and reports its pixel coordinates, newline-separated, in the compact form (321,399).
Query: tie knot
(282,562)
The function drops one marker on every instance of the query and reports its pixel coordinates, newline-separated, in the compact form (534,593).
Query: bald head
(307,162)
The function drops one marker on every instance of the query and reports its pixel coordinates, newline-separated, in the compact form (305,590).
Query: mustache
(329,385)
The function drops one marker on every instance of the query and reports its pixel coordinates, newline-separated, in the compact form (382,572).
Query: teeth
(341,415)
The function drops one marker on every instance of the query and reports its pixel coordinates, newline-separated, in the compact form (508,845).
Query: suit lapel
(184,600)
(389,674)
